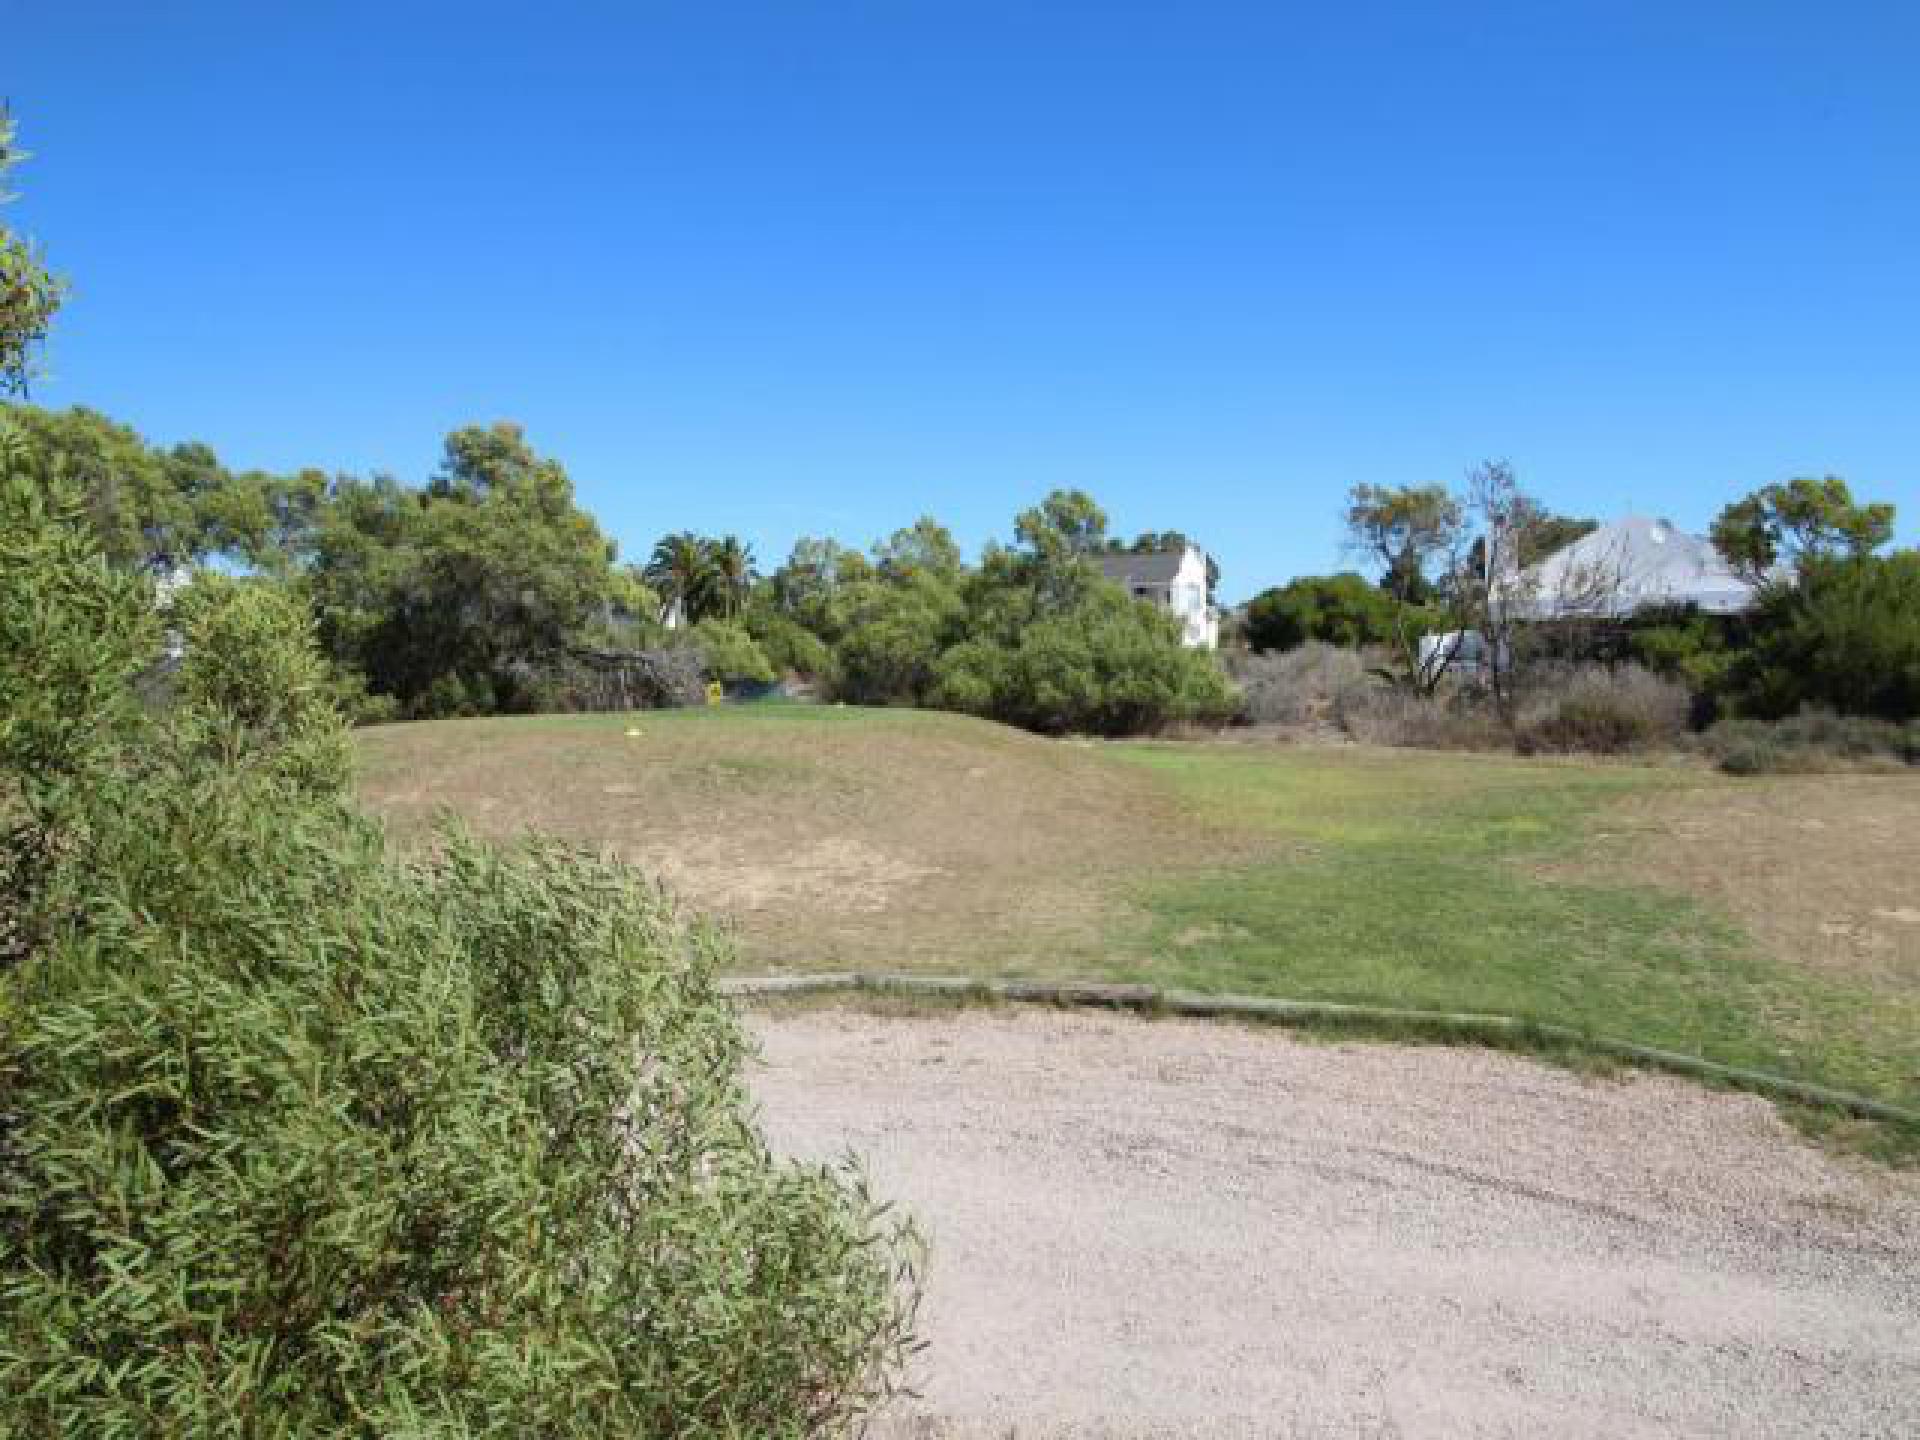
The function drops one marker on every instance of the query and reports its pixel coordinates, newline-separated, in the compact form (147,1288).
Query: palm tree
(730,564)
(681,572)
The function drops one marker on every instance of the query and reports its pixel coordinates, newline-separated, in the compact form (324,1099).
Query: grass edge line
(1199,1005)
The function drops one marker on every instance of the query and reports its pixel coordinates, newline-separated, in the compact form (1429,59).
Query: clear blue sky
(800,267)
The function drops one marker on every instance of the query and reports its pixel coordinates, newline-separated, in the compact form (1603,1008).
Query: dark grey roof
(1155,567)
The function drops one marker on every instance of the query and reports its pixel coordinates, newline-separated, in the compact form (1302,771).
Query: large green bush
(305,1139)
(896,626)
(1845,637)
(730,652)
(1104,665)
(790,647)
(1346,610)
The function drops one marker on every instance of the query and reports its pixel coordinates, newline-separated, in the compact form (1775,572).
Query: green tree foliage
(444,598)
(28,294)
(893,633)
(305,1139)
(1845,637)
(894,618)
(161,508)
(1804,520)
(361,560)
(698,579)
(731,653)
(1698,650)
(1344,609)
(1415,534)
(1034,635)
(254,683)
(631,619)
(679,573)
(1067,522)
(730,562)
(1105,665)
(158,509)
(265,521)
(1046,642)
(74,633)
(1409,532)
(1546,534)
(811,588)
(924,548)
(787,644)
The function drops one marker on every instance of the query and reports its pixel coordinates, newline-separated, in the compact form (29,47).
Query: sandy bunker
(1166,1228)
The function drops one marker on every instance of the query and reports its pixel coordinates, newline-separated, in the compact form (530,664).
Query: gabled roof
(1631,565)
(1150,567)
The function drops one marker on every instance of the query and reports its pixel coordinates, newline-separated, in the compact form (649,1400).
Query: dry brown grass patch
(828,839)
(1820,870)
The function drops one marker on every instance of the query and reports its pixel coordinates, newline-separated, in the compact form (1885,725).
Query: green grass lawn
(1425,881)
(893,840)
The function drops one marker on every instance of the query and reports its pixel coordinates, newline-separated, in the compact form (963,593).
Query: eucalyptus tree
(1414,534)
(447,597)
(152,508)
(1797,523)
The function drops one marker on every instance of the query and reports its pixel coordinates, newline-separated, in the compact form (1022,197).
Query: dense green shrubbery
(1106,665)
(1842,636)
(304,1139)
(488,590)
(1845,637)
(1033,636)
(791,648)
(1346,609)
(481,591)
(729,652)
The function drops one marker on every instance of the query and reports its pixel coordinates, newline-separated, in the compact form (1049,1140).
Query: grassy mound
(1660,904)
(825,835)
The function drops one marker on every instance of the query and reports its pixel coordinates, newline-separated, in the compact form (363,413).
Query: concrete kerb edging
(1196,1005)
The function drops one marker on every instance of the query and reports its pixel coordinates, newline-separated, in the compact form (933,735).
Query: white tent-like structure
(1622,569)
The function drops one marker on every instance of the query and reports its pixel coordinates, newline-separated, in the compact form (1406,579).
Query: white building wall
(1187,599)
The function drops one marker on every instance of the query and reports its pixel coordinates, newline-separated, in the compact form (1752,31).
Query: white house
(1174,580)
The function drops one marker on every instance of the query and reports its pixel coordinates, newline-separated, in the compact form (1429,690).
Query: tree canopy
(698,578)
(1408,531)
(1067,522)
(1345,609)
(446,598)
(1797,522)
